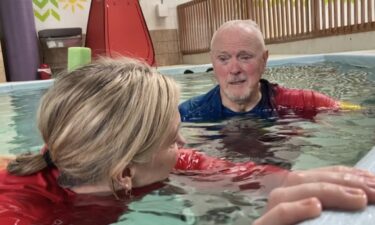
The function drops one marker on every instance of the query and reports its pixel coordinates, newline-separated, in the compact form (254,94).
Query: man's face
(239,60)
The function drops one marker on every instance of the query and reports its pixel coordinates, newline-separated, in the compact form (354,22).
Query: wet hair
(249,25)
(98,119)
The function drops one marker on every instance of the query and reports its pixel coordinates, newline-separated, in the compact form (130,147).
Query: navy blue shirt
(208,107)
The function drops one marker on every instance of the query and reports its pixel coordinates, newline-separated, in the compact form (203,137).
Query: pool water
(291,142)
(330,138)
(18,128)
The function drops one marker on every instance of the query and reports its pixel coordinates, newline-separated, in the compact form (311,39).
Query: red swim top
(38,199)
(301,99)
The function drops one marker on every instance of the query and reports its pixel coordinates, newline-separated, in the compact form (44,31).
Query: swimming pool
(331,138)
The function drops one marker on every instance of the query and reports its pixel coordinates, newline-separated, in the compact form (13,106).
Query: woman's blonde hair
(101,117)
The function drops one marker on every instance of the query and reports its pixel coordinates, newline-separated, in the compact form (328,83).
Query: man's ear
(265,56)
(125,178)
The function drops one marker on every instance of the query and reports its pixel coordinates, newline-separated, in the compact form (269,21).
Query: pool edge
(354,218)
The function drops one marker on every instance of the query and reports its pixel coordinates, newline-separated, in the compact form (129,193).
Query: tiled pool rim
(367,162)
(367,61)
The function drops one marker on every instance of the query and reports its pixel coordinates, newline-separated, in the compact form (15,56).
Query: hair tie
(47,159)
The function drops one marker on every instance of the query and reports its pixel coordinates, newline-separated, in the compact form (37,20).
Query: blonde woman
(111,131)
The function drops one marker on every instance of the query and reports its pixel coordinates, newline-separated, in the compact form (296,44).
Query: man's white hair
(248,25)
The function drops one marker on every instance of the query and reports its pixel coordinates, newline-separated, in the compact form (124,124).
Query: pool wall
(353,218)
(24,85)
(359,60)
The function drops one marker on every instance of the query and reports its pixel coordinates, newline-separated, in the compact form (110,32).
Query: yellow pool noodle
(349,106)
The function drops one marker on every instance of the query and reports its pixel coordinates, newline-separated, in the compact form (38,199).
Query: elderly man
(239,58)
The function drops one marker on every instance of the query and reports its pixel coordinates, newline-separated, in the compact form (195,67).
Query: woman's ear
(125,178)
(43,149)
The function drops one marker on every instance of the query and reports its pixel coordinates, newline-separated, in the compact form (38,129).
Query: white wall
(75,14)
(64,14)
(331,44)
(154,22)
